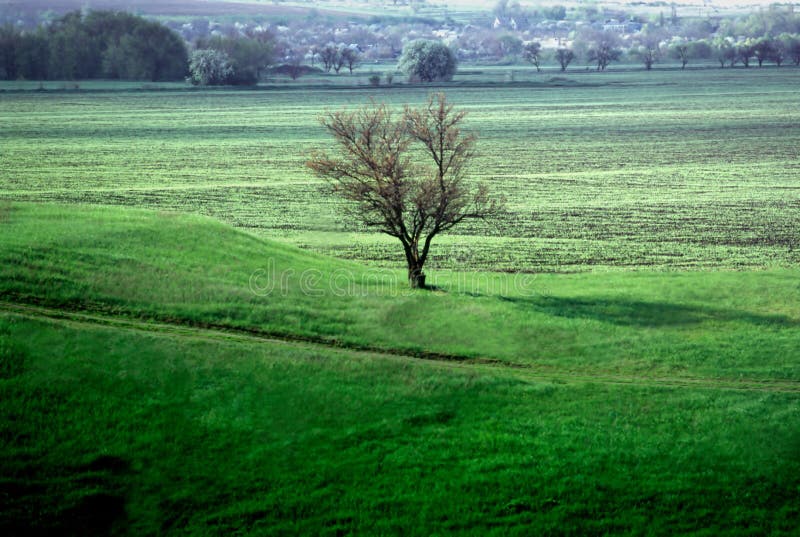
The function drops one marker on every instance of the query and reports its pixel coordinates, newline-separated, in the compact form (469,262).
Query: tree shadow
(638,313)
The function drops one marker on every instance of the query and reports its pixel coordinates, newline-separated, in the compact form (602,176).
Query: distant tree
(745,52)
(558,13)
(388,192)
(778,53)
(428,61)
(724,51)
(792,47)
(696,29)
(313,54)
(294,64)
(329,55)
(32,54)
(74,53)
(532,53)
(92,45)
(604,49)
(700,50)
(680,51)
(645,54)
(510,45)
(10,40)
(762,50)
(350,58)
(564,57)
(339,59)
(249,56)
(649,50)
(150,52)
(209,67)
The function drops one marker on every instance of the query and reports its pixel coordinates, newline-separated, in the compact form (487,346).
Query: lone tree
(680,51)
(564,57)
(604,50)
(428,61)
(208,67)
(533,54)
(350,58)
(649,49)
(388,192)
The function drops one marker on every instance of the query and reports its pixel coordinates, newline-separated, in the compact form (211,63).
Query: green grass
(634,372)
(193,270)
(148,434)
(661,170)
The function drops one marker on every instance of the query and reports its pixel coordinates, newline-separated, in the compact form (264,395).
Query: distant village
(82,45)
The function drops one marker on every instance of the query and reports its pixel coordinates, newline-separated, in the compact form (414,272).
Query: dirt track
(532,373)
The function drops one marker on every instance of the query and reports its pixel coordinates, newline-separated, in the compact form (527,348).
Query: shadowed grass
(106,429)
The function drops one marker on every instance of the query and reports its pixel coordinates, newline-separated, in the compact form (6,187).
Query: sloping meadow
(193,270)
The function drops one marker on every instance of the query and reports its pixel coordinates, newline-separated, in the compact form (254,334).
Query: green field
(176,400)
(194,342)
(666,170)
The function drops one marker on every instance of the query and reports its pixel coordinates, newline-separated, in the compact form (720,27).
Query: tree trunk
(416,278)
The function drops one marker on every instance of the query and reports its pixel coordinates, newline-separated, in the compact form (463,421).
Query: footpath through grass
(139,428)
(104,430)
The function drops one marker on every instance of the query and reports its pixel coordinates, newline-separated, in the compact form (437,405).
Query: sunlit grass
(666,170)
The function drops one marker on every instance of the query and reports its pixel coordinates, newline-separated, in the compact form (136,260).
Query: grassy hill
(144,392)
(196,271)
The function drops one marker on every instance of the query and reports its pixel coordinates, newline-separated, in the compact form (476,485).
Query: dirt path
(532,373)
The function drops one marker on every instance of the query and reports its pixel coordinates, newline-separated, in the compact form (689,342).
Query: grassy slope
(195,270)
(181,435)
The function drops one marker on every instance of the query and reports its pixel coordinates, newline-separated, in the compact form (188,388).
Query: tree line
(600,48)
(117,45)
(98,44)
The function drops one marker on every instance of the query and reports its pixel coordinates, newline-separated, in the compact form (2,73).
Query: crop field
(663,170)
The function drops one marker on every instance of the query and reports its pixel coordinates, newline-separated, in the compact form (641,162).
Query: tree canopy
(389,191)
(98,44)
(426,60)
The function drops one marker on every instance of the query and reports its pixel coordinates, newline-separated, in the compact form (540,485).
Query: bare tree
(680,51)
(328,56)
(649,49)
(339,59)
(350,58)
(604,49)
(745,52)
(532,53)
(793,49)
(388,192)
(564,56)
(294,64)
(313,54)
(647,55)
(762,50)
(778,53)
